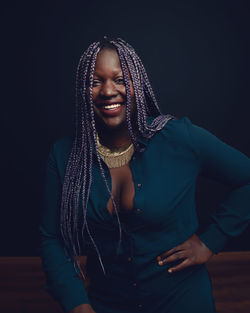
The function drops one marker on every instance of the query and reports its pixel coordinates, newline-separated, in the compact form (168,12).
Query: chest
(122,190)
(154,189)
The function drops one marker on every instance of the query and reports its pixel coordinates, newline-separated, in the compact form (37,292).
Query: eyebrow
(116,72)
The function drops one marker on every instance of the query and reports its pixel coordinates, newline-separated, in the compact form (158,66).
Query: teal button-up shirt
(164,215)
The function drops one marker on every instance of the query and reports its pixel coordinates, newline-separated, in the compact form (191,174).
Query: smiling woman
(121,191)
(109,97)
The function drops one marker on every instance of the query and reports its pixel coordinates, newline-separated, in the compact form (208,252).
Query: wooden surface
(22,284)
(230,274)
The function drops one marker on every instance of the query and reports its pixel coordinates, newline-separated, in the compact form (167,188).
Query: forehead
(107,62)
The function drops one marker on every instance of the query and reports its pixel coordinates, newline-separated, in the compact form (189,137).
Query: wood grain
(22,284)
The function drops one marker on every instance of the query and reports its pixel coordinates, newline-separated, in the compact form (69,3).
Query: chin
(115,124)
(111,123)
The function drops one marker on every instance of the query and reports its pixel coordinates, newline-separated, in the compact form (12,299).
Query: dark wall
(197,57)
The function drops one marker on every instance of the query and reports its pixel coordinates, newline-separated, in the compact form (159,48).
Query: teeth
(112,106)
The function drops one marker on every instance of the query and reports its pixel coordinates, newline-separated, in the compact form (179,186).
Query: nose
(108,89)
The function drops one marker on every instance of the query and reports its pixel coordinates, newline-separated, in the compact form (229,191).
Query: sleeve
(62,281)
(225,164)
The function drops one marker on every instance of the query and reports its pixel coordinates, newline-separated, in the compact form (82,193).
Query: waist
(140,277)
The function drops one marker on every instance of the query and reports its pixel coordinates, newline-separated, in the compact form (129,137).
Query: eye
(120,80)
(95,82)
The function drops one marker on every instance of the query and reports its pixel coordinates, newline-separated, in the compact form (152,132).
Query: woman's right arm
(62,280)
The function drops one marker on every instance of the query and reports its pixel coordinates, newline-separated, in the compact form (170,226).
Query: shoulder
(176,134)
(176,128)
(63,144)
(183,132)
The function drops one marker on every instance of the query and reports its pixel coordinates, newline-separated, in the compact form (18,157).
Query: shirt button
(134,284)
(140,306)
(139,185)
(129,259)
(138,210)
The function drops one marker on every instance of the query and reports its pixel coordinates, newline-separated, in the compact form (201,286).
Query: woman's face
(109,93)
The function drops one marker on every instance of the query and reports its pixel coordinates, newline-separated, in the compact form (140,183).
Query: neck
(115,139)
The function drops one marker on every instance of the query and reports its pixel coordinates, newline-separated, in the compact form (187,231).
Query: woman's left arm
(223,163)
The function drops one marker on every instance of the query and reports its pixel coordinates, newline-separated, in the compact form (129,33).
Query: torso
(122,190)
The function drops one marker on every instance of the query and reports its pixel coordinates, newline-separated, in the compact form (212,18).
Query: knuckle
(176,256)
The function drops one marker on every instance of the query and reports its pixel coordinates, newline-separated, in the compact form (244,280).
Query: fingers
(169,252)
(177,256)
(174,257)
(180,266)
(183,246)
(189,252)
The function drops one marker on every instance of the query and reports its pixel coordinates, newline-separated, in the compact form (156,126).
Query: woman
(121,191)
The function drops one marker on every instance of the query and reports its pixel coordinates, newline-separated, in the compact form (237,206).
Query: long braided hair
(78,175)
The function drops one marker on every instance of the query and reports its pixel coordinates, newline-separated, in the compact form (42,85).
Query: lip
(113,112)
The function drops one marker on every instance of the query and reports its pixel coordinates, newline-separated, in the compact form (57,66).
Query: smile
(112,109)
(112,106)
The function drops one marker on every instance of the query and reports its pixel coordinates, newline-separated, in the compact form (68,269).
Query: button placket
(137,172)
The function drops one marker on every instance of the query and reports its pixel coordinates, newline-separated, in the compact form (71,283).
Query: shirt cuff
(214,238)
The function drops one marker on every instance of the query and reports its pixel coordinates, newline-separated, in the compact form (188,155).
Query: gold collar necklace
(115,157)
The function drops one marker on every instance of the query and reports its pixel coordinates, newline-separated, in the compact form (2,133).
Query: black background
(197,57)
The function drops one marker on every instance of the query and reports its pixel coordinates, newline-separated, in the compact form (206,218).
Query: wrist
(83,308)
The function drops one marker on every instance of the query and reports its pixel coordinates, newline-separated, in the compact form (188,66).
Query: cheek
(94,93)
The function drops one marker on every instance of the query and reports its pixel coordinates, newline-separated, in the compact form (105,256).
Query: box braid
(78,175)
